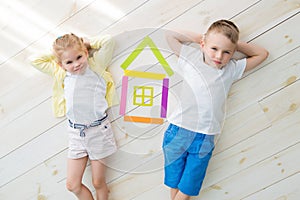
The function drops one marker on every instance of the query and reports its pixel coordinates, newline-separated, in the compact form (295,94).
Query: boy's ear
(202,40)
(202,43)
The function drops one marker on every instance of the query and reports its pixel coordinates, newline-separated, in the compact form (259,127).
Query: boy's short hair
(226,27)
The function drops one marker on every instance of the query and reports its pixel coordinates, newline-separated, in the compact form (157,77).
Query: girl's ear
(60,64)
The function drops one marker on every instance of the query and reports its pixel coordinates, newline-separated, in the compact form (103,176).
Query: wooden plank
(185,16)
(158,192)
(240,95)
(152,8)
(127,159)
(101,15)
(274,169)
(18,83)
(262,145)
(33,153)
(274,12)
(286,125)
(60,129)
(287,188)
(33,19)
(18,69)
(10,102)
(15,83)
(254,149)
(271,145)
(255,113)
(5,84)
(24,129)
(131,147)
(139,183)
(19,75)
(241,126)
(48,177)
(201,16)
(270,69)
(35,182)
(283,103)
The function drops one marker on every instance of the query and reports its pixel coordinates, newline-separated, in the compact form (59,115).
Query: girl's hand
(87,43)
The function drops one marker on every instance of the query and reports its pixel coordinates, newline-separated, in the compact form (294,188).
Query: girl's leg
(99,181)
(75,170)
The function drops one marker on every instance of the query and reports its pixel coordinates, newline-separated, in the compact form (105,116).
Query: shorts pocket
(168,136)
(207,146)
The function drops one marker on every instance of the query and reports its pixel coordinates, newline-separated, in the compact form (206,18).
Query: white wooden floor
(257,156)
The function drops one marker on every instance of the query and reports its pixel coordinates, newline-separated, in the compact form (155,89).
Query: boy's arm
(255,54)
(175,39)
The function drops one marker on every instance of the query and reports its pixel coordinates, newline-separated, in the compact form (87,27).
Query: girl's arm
(255,54)
(45,63)
(175,39)
(105,46)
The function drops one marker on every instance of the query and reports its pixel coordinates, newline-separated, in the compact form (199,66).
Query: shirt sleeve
(45,63)
(188,52)
(103,56)
(99,62)
(239,68)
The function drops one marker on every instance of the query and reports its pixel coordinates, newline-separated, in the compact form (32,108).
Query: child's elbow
(265,54)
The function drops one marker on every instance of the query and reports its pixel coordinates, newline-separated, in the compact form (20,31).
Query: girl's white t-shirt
(85,97)
(204,92)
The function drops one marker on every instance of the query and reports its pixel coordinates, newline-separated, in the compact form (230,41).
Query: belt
(83,127)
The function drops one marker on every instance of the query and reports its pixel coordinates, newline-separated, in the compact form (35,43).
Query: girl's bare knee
(99,183)
(73,187)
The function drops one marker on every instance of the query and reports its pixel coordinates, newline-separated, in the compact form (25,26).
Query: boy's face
(74,61)
(217,49)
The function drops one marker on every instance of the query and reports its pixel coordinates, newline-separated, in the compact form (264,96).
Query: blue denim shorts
(186,155)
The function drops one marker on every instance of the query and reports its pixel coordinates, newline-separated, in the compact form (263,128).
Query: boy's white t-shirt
(204,92)
(85,97)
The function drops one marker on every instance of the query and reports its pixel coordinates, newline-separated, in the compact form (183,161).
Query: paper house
(143,95)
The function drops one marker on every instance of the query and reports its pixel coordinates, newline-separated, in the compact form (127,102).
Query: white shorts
(98,143)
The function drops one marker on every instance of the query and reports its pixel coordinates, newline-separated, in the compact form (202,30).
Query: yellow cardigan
(98,62)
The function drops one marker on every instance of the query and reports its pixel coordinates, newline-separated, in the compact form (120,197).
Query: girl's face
(217,49)
(74,61)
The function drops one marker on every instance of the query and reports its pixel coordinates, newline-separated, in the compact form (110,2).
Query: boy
(208,75)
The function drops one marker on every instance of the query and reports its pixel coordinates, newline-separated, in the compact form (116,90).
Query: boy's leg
(197,161)
(176,142)
(173,192)
(177,195)
(99,181)
(181,196)
(75,170)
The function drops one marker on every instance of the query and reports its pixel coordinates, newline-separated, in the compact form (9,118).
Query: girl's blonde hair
(65,42)
(227,28)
